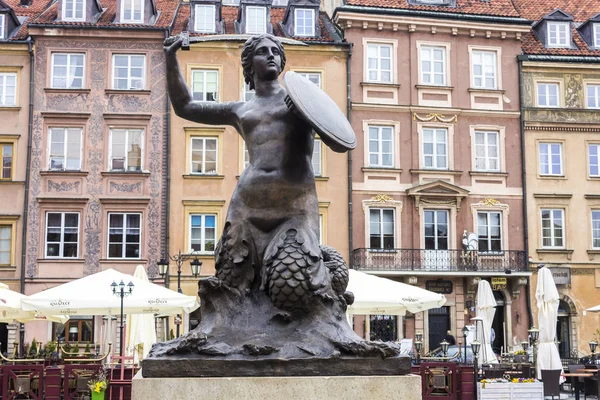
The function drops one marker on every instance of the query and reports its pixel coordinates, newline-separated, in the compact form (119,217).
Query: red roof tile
(30,12)
(503,8)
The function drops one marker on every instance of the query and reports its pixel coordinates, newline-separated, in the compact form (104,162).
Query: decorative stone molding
(63,186)
(490,202)
(582,271)
(434,117)
(380,199)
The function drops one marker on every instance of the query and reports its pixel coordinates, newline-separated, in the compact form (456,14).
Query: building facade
(208,160)
(561,103)
(437,188)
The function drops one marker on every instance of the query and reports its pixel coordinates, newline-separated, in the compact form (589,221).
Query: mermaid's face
(266,61)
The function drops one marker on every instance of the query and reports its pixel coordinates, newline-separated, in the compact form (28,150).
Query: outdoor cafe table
(577,375)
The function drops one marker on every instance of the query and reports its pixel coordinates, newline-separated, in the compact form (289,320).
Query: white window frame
(202,233)
(596,32)
(434,154)
(378,59)
(125,231)
(204,91)
(381,230)
(596,147)
(257,26)
(379,154)
(62,234)
(553,238)
(8,249)
(69,76)
(129,67)
(436,237)
(73,10)
(247,93)
(595,217)
(206,24)
(592,98)
(428,50)
(245,155)
(4,77)
(308,29)
(67,133)
(2,25)
(317,157)
(486,149)
(478,58)
(558,26)
(128,131)
(203,140)
(545,87)
(10,157)
(313,76)
(488,228)
(547,169)
(131,4)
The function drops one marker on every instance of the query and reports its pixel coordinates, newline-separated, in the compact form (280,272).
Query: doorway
(4,338)
(563,329)
(436,239)
(497,339)
(439,324)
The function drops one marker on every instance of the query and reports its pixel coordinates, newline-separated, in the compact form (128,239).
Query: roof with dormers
(29,12)
(230,15)
(580,10)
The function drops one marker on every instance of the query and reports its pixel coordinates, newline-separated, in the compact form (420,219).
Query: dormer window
(73,10)
(132,11)
(597,35)
(2,26)
(256,19)
(559,34)
(204,18)
(304,22)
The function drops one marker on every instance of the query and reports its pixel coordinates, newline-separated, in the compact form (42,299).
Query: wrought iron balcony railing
(438,260)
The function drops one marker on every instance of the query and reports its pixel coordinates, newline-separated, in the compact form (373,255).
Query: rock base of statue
(407,387)
(245,335)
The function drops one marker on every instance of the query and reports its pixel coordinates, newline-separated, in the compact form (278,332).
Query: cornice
(562,128)
(440,110)
(558,65)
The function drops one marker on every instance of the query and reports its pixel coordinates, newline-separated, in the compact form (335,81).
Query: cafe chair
(571,380)
(551,380)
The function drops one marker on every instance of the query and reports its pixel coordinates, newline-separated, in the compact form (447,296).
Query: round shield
(320,111)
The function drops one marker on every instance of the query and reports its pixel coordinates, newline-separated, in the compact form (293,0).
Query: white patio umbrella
(485,313)
(374,295)
(594,309)
(547,302)
(141,328)
(92,295)
(10,309)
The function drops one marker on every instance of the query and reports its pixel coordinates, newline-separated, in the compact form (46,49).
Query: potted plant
(520,356)
(98,384)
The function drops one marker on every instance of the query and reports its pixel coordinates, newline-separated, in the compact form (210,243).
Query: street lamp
(119,290)
(593,344)
(418,347)
(444,345)
(179,259)
(534,333)
(475,347)
(465,330)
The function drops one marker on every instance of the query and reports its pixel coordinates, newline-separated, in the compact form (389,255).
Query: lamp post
(475,346)
(465,330)
(444,345)
(179,259)
(119,290)
(419,345)
(534,333)
(593,344)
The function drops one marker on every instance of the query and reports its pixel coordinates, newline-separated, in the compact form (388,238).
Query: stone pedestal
(406,387)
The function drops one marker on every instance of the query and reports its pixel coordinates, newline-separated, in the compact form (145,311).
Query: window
(321,229)
(247,93)
(203,232)
(73,10)
(433,65)
(559,34)
(204,18)
(129,72)
(436,229)
(551,159)
(8,89)
(5,244)
(484,70)
(256,19)
(548,95)
(245,156)
(67,70)
(381,228)
(596,35)
(487,151)
(62,235)
(2,26)
(316,158)
(381,153)
(76,330)
(6,150)
(126,149)
(593,95)
(314,77)
(593,154)
(435,148)
(124,235)
(596,229)
(132,11)
(65,149)
(379,63)
(552,228)
(205,85)
(204,156)
(304,22)
(489,231)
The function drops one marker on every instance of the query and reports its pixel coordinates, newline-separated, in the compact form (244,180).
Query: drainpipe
(27,179)
(348,113)
(524,183)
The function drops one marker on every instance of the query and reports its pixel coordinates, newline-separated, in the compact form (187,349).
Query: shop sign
(439,286)
(561,275)
(498,283)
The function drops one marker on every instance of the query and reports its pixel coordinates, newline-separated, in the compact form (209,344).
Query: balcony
(421,260)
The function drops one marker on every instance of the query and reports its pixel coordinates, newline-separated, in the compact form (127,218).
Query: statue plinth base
(406,387)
